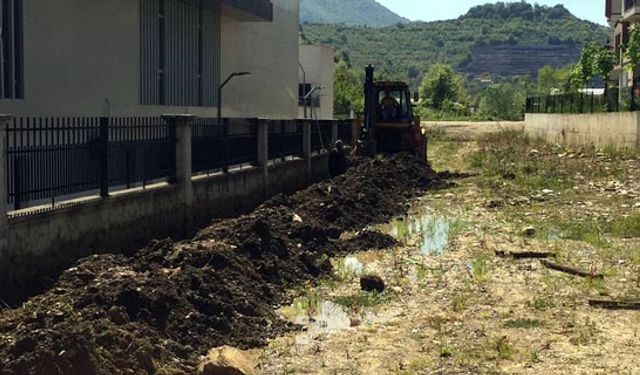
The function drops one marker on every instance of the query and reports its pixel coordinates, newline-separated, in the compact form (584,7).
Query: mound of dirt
(156,312)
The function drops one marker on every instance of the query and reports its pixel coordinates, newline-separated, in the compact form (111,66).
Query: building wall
(82,58)
(270,52)
(319,64)
(618,129)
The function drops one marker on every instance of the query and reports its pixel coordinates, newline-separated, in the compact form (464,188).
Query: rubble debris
(371,283)
(570,270)
(226,360)
(614,305)
(524,254)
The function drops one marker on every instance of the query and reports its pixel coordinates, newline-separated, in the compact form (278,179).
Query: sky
(431,10)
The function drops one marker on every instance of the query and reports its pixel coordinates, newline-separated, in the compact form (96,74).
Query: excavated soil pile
(157,311)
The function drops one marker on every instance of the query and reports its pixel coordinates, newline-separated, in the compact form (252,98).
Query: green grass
(524,323)
(507,164)
(480,269)
(361,300)
(626,227)
(503,347)
(460,302)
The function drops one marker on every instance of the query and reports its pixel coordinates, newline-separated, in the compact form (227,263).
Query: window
(180,57)
(312,101)
(11,55)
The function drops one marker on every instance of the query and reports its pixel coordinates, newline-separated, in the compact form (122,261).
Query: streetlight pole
(231,76)
(225,168)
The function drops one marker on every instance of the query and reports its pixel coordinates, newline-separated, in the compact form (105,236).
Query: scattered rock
(529,232)
(370,283)
(495,203)
(226,360)
(353,266)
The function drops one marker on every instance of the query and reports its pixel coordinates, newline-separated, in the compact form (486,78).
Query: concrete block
(4,194)
(619,129)
(306,146)
(334,134)
(263,153)
(182,125)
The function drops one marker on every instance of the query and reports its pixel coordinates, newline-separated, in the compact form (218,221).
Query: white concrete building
(317,65)
(148,57)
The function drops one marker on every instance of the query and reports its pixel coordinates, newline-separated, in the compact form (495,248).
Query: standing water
(430,232)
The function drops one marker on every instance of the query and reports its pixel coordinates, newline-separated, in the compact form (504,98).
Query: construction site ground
(456,299)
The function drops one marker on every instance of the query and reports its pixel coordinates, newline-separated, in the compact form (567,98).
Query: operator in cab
(337,160)
(389,106)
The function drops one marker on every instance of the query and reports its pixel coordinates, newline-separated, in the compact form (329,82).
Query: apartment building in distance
(623,16)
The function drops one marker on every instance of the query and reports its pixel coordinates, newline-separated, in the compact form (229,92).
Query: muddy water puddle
(428,233)
(431,233)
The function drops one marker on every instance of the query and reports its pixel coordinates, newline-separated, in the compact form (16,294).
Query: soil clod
(370,283)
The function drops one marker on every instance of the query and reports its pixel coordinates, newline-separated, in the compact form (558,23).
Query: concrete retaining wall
(36,245)
(43,244)
(619,129)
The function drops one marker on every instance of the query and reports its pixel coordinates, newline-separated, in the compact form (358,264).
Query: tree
(547,80)
(441,84)
(503,101)
(584,71)
(632,52)
(348,89)
(604,63)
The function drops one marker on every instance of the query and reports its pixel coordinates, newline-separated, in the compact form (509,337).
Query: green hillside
(348,12)
(490,40)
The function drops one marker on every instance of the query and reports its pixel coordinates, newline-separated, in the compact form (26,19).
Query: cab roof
(391,84)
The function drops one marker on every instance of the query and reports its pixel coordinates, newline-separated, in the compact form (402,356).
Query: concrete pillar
(4,194)
(182,124)
(263,153)
(306,146)
(334,134)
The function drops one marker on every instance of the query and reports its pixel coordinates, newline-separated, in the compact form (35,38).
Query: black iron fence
(139,151)
(53,159)
(216,146)
(612,100)
(285,139)
(345,131)
(49,158)
(321,135)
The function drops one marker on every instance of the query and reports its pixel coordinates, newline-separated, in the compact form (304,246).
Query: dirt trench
(157,311)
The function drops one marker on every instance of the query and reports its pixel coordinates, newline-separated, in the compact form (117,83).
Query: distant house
(148,57)
(622,15)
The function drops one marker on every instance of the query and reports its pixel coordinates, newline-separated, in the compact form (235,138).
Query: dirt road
(453,305)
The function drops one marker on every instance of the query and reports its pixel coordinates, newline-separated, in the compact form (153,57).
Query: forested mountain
(348,12)
(489,41)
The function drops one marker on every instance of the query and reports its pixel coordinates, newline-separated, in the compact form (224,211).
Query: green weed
(626,227)
(503,348)
(480,269)
(361,300)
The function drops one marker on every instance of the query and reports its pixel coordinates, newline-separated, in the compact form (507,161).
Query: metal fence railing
(321,135)
(140,151)
(49,160)
(285,139)
(215,146)
(50,157)
(612,100)
(345,132)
